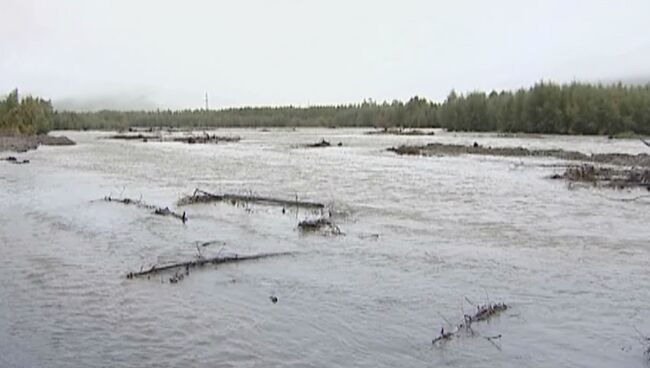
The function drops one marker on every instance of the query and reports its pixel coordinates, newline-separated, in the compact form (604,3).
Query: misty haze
(324,184)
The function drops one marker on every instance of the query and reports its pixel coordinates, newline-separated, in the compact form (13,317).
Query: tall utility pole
(206,101)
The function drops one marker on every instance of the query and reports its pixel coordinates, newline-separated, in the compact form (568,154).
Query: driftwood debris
(16,161)
(134,137)
(192,139)
(202,262)
(399,131)
(161,211)
(201,196)
(483,313)
(319,224)
(204,139)
(607,177)
(322,143)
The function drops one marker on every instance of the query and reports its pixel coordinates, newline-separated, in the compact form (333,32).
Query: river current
(423,237)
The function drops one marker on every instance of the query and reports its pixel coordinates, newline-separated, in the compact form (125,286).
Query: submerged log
(161,211)
(201,196)
(204,261)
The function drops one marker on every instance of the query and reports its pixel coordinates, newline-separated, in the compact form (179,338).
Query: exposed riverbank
(24,143)
(440,149)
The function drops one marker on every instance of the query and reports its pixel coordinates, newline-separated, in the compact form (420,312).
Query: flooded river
(422,235)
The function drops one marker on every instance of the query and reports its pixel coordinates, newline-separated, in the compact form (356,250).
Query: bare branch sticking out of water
(156,210)
(483,313)
(204,261)
(201,196)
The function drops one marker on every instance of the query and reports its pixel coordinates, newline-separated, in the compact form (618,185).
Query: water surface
(421,235)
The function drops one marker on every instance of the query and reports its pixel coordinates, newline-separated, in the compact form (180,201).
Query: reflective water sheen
(573,263)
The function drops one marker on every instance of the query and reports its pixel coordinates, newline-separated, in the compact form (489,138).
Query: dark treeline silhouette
(27,115)
(416,112)
(576,108)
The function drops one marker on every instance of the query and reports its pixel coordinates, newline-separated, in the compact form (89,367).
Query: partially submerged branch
(204,261)
(201,196)
(483,313)
(161,211)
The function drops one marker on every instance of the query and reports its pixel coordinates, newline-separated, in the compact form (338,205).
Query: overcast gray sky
(155,53)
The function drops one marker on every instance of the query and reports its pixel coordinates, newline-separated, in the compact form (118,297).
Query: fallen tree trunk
(204,261)
(201,196)
(156,210)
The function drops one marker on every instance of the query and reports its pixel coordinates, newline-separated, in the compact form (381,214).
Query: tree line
(27,115)
(575,108)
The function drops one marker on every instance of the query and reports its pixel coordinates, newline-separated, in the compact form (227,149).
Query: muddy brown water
(571,263)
